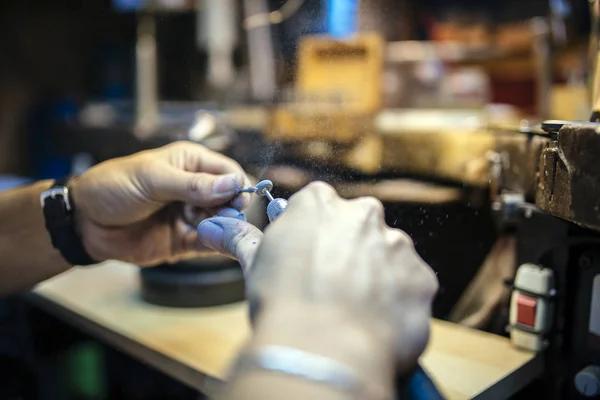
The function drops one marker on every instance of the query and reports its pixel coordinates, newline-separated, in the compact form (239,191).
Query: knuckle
(176,146)
(320,187)
(176,152)
(428,282)
(197,183)
(434,284)
(373,206)
(182,145)
(185,150)
(401,239)
(405,239)
(314,191)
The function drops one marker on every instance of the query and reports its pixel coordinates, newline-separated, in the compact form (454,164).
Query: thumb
(232,237)
(199,189)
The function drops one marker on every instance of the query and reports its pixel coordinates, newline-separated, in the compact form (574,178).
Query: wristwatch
(59,214)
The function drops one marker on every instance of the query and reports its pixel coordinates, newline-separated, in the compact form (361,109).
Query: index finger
(206,160)
(203,159)
(193,157)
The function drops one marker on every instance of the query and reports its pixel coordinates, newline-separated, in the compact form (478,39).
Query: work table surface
(196,346)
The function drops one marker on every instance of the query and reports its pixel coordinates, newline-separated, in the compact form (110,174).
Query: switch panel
(531,306)
(526,307)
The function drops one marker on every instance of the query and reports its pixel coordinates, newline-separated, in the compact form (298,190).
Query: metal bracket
(56,192)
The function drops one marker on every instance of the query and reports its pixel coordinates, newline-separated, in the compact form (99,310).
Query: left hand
(145,208)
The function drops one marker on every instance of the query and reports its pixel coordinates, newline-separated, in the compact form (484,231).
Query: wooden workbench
(196,346)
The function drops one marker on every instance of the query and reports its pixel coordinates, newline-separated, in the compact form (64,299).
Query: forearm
(322,334)
(26,253)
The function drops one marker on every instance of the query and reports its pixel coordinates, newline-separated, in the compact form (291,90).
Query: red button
(526,310)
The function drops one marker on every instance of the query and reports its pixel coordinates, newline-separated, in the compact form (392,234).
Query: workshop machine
(545,192)
(552,307)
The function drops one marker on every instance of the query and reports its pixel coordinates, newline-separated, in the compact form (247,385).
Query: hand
(339,263)
(132,208)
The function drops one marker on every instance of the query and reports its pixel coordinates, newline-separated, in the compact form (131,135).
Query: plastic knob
(587,381)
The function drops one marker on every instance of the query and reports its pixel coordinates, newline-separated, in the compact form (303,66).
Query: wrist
(80,222)
(58,210)
(76,206)
(326,332)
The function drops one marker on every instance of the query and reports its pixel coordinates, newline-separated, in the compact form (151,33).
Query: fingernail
(210,233)
(228,184)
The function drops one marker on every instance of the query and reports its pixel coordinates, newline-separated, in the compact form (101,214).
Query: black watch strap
(58,208)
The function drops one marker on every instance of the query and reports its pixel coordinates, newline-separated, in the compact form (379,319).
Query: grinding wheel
(202,282)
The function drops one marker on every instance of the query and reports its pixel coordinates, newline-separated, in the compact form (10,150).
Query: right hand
(337,258)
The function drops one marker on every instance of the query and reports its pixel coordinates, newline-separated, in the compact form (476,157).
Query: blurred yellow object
(293,124)
(448,154)
(337,118)
(570,103)
(338,90)
(348,69)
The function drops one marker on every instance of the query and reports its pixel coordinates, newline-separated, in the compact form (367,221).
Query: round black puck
(193,283)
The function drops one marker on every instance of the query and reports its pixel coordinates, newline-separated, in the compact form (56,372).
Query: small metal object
(263,188)
(552,127)
(276,206)
(260,189)
(56,192)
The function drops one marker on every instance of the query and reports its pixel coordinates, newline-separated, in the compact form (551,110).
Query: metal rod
(543,60)
(147,113)
(260,53)
(268,195)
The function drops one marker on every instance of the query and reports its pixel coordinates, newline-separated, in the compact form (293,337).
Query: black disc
(194,283)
